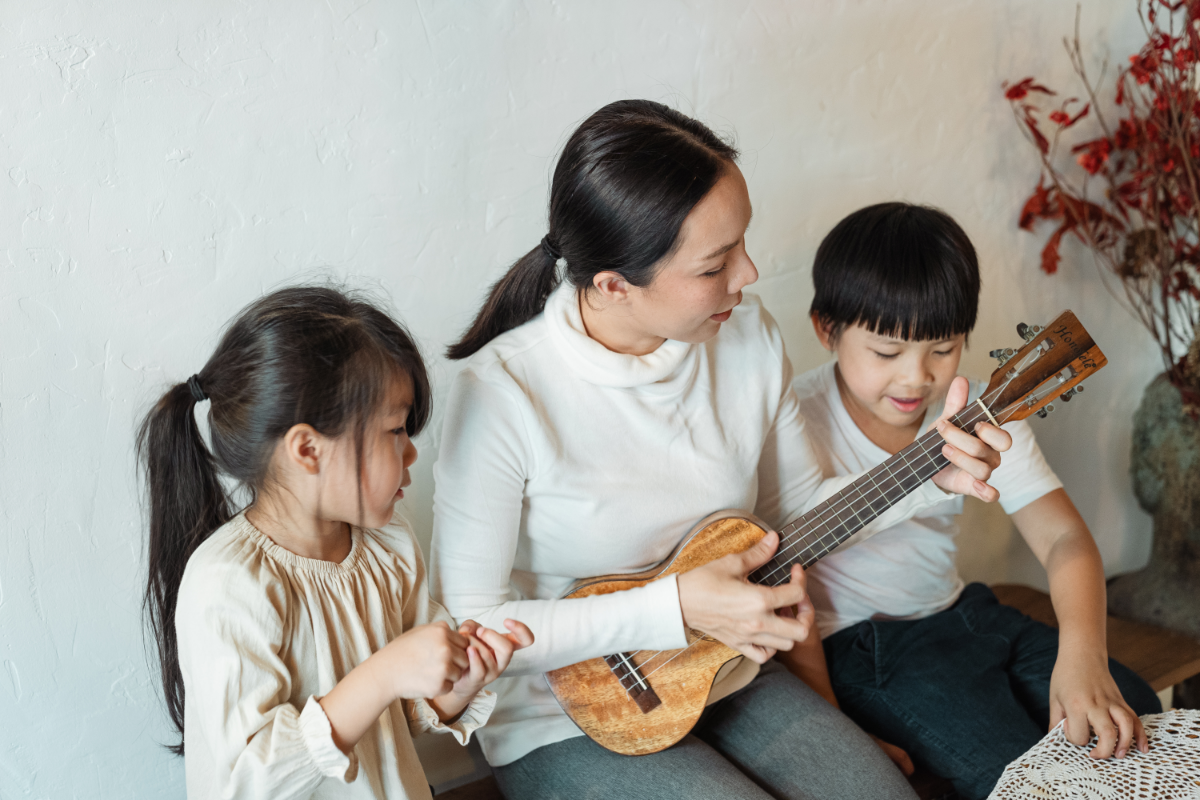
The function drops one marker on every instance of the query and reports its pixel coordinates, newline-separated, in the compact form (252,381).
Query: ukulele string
(793,539)
(788,539)
(1005,416)
(846,504)
(924,451)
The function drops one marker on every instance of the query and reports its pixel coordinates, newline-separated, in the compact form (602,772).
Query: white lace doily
(1055,768)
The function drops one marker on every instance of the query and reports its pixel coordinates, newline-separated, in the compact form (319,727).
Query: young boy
(963,684)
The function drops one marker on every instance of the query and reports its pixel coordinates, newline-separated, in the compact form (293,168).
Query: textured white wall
(164,163)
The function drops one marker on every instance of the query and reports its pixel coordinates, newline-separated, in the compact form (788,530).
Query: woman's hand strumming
(718,600)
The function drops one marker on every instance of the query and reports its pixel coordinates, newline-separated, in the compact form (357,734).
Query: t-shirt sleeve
(1023,475)
(483,464)
(790,480)
(230,632)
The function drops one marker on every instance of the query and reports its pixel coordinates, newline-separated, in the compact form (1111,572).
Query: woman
(594,423)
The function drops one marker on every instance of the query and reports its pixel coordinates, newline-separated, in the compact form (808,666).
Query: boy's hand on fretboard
(972,458)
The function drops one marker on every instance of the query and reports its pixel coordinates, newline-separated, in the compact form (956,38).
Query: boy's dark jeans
(964,691)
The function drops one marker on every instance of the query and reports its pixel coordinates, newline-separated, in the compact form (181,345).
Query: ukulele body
(593,696)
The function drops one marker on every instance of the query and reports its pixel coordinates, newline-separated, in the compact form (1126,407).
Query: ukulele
(644,702)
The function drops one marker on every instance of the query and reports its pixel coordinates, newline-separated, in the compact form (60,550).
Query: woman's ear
(612,287)
(305,448)
(824,331)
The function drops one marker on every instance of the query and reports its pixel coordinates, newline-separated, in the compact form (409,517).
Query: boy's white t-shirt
(907,571)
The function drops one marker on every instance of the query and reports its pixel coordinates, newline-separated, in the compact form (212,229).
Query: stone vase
(1166,479)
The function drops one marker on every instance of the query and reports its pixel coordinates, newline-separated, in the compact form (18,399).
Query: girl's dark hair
(625,182)
(900,270)
(300,355)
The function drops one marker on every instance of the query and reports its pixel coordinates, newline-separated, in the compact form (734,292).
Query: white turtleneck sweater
(562,460)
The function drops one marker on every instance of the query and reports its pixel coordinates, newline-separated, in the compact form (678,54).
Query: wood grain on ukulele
(644,702)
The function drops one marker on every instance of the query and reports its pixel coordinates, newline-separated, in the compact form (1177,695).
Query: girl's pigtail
(513,300)
(187,503)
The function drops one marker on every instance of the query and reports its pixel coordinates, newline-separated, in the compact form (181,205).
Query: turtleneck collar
(594,362)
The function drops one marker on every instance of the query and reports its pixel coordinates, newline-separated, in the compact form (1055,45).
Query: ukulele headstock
(1054,360)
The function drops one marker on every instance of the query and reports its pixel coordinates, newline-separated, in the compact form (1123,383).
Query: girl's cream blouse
(263,633)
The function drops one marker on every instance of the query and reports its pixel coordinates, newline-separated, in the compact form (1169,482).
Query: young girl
(594,421)
(959,681)
(287,632)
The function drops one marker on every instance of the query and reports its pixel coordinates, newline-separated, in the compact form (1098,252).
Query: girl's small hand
(489,653)
(426,661)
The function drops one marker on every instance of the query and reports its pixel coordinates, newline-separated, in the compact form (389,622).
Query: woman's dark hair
(900,270)
(300,355)
(625,182)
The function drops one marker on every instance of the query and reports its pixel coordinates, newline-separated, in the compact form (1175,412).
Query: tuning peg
(1003,354)
(1028,332)
(1066,396)
(1041,412)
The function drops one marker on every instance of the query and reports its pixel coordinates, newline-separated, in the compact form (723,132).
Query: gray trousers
(776,738)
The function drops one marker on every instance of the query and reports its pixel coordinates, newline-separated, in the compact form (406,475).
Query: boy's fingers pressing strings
(975,457)
(956,397)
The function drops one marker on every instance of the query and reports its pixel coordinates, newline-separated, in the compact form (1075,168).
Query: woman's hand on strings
(718,600)
(971,459)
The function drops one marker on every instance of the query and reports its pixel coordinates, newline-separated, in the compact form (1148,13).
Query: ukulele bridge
(632,681)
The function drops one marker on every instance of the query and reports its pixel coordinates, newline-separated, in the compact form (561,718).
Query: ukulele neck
(822,529)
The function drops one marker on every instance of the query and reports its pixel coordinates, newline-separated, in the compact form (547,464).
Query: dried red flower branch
(1144,229)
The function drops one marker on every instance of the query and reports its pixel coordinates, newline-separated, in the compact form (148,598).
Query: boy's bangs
(913,311)
(899,270)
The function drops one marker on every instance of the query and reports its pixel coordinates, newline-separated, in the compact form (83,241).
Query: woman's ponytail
(187,503)
(513,300)
(626,180)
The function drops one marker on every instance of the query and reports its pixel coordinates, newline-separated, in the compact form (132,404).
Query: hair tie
(197,391)
(549,249)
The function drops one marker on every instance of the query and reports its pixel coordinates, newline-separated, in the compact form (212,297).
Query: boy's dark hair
(626,180)
(900,270)
(301,355)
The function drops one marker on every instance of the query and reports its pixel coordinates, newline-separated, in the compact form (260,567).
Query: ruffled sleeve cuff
(422,718)
(318,738)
